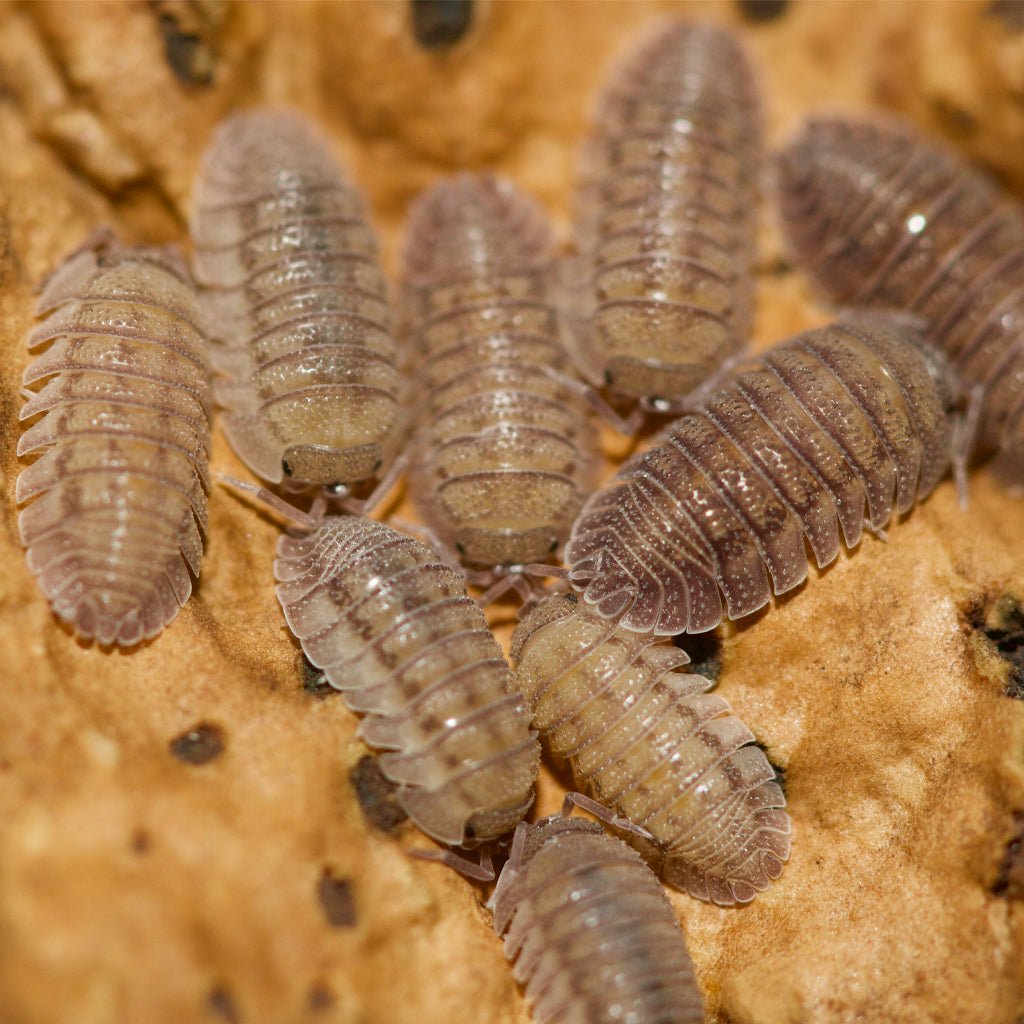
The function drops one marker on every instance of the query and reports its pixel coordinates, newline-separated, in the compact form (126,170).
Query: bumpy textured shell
(505,449)
(791,448)
(298,305)
(595,939)
(667,224)
(651,744)
(118,492)
(391,626)
(882,217)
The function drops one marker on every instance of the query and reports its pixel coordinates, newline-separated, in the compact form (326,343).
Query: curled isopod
(506,448)
(649,743)
(792,447)
(882,217)
(667,224)
(117,494)
(592,933)
(392,628)
(299,306)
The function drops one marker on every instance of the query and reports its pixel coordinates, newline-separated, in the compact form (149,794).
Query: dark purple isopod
(882,217)
(793,447)
(667,227)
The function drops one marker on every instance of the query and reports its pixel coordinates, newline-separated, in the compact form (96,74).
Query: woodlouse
(392,627)
(118,494)
(792,447)
(667,224)
(506,446)
(593,936)
(283,243)
(652,745)
(881,217)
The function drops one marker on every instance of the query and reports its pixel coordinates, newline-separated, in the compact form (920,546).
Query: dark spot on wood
(314,682)
(201,744)
(187,30)
(761,11)
(320,997)
(438,24)
(221,1003)
(1002,624)
(337,900)
(140,842)
(705,651)
(1009,12)
(1010,881)
(376,795)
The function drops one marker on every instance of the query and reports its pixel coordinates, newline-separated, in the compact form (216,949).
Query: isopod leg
(965,435)
(480,872)
(364,506)
(605,814)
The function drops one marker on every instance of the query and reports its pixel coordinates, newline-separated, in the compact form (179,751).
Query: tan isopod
(392,628)
(117,494)
(667,224)
(592,933)
(506,448)
(299,306)
(652,745)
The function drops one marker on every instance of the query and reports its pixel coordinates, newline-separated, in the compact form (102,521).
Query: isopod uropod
(299,303)
(392,627)
(117,495)
(593,936)
(667,223)
(506,447)
(652,745)
(883,218)
(792,447)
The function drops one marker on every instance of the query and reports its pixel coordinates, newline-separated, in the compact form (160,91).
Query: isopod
(299,303)
(590,928)
(793,446)
(392,628)
(652,745)
(667,226)
(118,491)
(505,449)
(882,217)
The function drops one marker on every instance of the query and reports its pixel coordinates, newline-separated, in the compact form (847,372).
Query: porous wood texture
(181,839)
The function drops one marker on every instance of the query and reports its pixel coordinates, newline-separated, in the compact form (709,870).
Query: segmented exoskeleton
(298,304)
(667,225)
(793,447)
(593,936)
(648,742)
(118,492)
(391,627)
(506,448)
(882,217)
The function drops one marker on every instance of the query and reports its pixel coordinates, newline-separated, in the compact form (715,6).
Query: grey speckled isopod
(392,627)
(118,494)
(593,936)
(667,228)
(298,303)
(793,447)
(881,217)
(652,745)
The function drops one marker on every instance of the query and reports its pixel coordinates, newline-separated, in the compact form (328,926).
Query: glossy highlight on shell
(667,226)
(834,428)
(392,628)
(591,932)
(882,217)
(299,305)
(650,743)
(116,496)
(505,447)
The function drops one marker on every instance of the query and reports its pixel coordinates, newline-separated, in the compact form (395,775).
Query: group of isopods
(489,402)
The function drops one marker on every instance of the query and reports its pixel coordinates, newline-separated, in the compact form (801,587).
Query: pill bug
(791,448)
(593,936)
(667,215)
(882,217)
(506,447)
(121,403)
(650,744)
(283,244)
(392,628)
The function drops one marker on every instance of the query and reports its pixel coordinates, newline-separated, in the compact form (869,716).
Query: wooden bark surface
(137,885)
